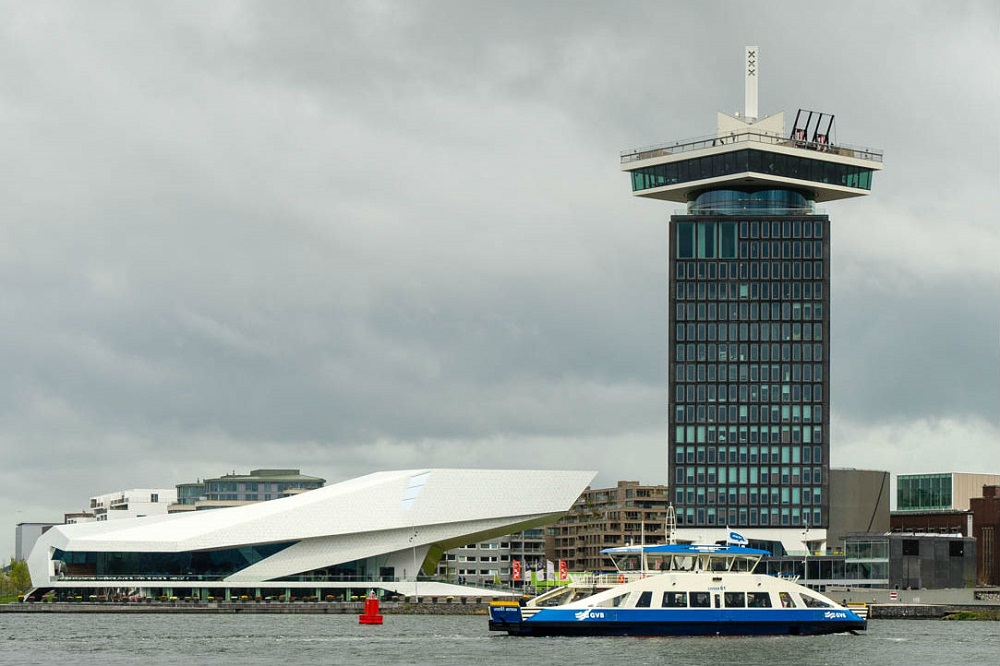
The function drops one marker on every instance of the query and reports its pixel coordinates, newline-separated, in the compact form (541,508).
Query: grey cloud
(356,236)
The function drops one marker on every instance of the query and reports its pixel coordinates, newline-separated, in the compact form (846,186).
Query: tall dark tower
(749,277)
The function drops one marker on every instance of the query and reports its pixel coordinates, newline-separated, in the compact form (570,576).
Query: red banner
(563,571)
(516,570)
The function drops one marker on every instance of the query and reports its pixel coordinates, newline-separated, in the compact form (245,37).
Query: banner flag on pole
(563,571)
(736,539)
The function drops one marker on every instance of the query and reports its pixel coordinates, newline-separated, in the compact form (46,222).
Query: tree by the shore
(15,579)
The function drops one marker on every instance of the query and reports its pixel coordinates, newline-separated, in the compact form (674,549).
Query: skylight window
(413,489)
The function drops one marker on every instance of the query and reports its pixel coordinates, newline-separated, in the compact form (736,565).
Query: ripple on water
(85,640)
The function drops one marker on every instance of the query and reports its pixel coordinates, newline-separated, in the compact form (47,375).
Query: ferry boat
(677,590)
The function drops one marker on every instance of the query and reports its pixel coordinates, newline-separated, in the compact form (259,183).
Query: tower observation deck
(749,279)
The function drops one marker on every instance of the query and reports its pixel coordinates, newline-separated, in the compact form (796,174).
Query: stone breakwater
(471,607)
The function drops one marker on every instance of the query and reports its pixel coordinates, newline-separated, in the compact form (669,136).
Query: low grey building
(919,561)
(260,485)
(25,536)
(916,561)
(886,560)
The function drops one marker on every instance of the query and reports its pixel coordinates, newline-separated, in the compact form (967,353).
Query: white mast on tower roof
(750,84)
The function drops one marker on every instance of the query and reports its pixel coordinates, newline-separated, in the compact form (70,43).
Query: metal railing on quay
(197,578)
(142,578)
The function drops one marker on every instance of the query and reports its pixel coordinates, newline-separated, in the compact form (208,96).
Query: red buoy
(371,614)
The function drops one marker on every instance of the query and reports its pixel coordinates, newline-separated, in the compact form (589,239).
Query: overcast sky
(346,237)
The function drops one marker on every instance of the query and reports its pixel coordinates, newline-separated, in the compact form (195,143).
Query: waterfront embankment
(965,596)
(889,611)
(472,606)
(933,612)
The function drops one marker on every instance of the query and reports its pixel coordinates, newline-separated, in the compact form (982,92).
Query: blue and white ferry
(677,590)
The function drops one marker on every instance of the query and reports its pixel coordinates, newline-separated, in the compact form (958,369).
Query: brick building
(933,522)
(986,524)
(629,513)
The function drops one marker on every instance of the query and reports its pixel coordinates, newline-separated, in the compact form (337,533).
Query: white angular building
(376,531)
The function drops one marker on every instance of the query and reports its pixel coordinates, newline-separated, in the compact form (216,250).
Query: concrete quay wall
(889,611)
(967,596)
(923,611)
(223,608)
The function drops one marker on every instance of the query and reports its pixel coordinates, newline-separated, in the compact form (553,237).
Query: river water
(294,640)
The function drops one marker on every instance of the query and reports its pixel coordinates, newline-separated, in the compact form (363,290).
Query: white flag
(736,539)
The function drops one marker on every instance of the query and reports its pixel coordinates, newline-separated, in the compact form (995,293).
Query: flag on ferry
(563,570)
(516,573)
(736,539)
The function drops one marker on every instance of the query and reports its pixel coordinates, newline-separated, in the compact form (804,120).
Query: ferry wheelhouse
(683,590)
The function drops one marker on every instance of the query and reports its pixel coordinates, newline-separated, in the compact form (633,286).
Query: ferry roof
(686,549)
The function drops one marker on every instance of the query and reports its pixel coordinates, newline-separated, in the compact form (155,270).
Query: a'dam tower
(749,340)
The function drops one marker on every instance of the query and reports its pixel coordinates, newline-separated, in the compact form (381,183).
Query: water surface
(91,639)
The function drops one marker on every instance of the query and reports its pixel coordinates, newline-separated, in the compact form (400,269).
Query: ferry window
(735,600)
(701,600)
(786,600)
(617,601)
(674,600)
(813,602)
(645,599)
(758,600)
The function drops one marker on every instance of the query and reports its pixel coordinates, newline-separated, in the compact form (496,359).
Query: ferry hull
(549,622)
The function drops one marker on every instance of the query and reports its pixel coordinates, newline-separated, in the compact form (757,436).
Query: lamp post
(805,561)
(416,571)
